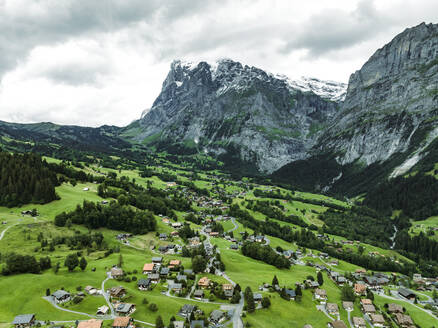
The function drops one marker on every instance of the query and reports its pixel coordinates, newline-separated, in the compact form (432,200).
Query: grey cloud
(57,21)
(335,30)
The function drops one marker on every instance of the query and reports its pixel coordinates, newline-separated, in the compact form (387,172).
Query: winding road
(4,231)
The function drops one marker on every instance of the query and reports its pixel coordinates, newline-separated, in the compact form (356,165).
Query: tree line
(112,216)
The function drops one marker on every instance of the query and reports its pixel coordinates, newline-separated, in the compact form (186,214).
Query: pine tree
(159,322)
(83,263)
(275,281)
(320,278)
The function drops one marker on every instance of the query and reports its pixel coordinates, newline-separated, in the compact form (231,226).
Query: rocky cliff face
(390,104)
(241,112)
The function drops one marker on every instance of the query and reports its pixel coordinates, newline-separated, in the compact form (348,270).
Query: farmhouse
(217,316)
(24,320)
(143,284)
(349,306)
(61,296)
(92,323)
(395,308)
(337,324)
(116,273)
(320,294)
(124,309)
(117,292)
(198,294)
(359,322)
(123,322)
(404,320)
(332,308)
(148,268)
(204,282)
(186,310)
(377,320)
(406,293)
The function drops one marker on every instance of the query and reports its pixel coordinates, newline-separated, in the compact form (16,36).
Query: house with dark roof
(217,316)
(164,272)
(406,293)
(117,292)
(143,284)
(124,309)
(198,294)
(197,324)
(290,293)
(186,310)
(24,320)
(61,296)
(157,259)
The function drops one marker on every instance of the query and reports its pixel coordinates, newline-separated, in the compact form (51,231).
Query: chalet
(61,296)
(228,290)
(290,293)
(198,294)
(181,277)
(359,322)
(186,310)
(116,273)
(197,324)
(320,294)
(406,293)
(163,249)
(102,310)
(404,320)
(259,239)
(163,236)
(164,272)
(178,324)
(257,298)
(123,322)
(24,320)
(117,292)
(332,308)
(288,254)
(234,246)
(217,316)
(174,233)
(214,234)
(148,268)
(377,320)
(204,282)
(92,323)
(341,280)
(143,284)
(154,277)
(360,289)
(124,309)
(337,324)
(334,275)
(176,225)
(174,264)
(395,308)
(176,288)
(171,184)
(368,308)
(312,284)
(349,306)
(157,259)
(365,301)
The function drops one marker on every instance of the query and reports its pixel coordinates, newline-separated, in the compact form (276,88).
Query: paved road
(418,307)
(367,319)
(51,301)
(106,296)
(233,220)
(349,319)
(4,231)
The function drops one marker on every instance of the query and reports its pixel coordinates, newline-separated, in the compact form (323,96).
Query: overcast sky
(103,62)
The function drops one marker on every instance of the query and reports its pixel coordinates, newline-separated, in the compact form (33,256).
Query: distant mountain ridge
(239,113)
(315,134)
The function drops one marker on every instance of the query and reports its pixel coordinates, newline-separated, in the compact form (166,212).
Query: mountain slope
(387,119)
(238,113)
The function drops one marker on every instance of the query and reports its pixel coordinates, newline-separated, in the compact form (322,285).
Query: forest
(112,216)
(26,178)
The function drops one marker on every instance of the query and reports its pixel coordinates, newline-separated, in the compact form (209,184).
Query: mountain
(237,113)
(387,120)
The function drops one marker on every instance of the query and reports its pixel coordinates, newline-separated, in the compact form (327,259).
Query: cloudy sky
(103,62)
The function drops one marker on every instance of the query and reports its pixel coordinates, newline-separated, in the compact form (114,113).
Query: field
(24,233)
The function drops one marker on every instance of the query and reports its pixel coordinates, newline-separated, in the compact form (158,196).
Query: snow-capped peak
(332,90)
